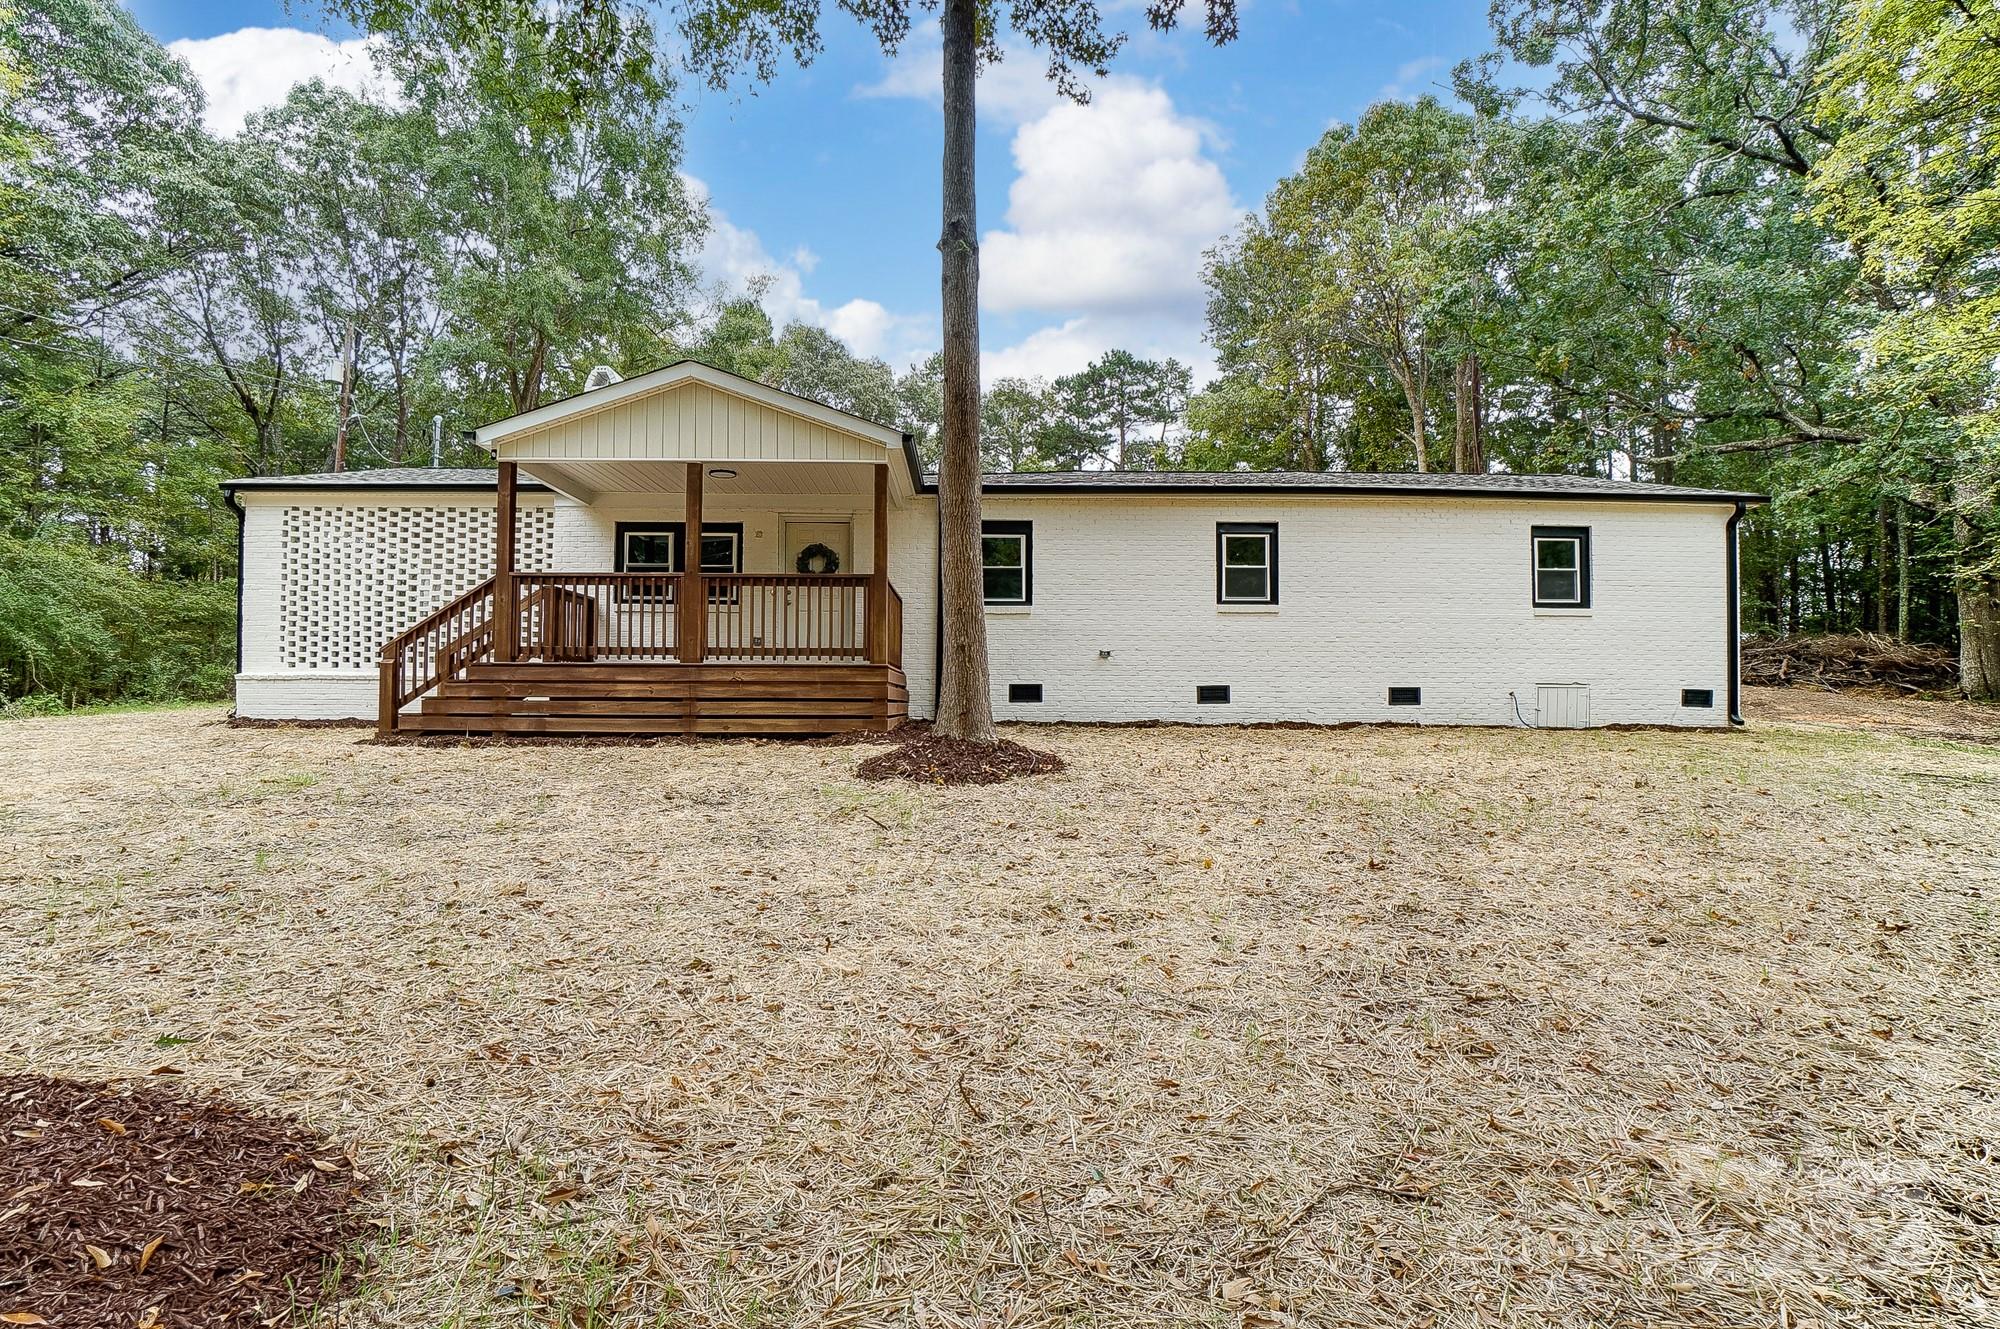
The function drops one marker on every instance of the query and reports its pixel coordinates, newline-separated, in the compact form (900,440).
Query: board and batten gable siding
(689,421)
(1374,593)
(331,574)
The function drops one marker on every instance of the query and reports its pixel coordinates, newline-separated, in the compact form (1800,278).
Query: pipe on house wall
(1733,612)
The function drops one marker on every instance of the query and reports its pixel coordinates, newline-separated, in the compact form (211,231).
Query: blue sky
(1094,218)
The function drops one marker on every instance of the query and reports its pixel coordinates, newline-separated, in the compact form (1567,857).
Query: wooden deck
(618,697)
(597,653)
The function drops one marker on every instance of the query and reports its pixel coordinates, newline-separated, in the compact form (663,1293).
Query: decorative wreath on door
(818,558)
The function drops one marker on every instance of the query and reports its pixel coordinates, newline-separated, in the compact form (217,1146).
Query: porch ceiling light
(721,473)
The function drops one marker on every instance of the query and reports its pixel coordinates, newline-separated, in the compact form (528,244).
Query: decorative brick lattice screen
(356,576)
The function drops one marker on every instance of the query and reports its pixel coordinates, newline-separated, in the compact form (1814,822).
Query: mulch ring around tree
(928,757)
(128,1205)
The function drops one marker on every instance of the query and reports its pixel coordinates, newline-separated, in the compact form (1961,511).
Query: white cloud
(1112,205)
(1014,90)
(734,258)
(1064,348)
(1407,74)
(253,68)
(1111,210)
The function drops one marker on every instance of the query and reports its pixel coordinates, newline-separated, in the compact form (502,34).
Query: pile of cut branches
(1860,660)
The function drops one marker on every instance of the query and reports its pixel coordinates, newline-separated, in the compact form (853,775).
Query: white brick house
(1233,597)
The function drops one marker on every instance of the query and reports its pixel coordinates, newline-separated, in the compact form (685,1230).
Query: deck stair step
(663,697)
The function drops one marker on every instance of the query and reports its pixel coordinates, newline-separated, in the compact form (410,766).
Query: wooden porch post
(878,579)
(506,619)
(692,621)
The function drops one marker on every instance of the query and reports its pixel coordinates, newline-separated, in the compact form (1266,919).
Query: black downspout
(229,497)
(1734,615)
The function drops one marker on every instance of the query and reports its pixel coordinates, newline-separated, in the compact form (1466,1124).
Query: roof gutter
(1005,488)
(1733,611)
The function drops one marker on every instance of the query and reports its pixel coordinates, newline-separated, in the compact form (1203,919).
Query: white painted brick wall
(1373,593)
(269,685)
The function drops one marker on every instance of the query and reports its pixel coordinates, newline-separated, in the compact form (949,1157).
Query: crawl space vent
(1024,692)
(1406,696)
(1211,694)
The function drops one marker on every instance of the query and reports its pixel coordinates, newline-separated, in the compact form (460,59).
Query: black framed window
(1246,563)
(646,546)
(1007,558)
(1561,567)
(659,546)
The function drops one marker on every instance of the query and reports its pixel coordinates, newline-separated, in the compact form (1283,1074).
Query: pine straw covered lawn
(1240,1027)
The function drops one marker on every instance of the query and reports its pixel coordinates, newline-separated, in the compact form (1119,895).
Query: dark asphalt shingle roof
(1082,482)
(385,477)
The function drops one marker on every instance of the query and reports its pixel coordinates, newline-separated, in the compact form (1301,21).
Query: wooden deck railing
(740,617)
(598,615)
(579,616)
(436,647)
(753,616)
(892,630)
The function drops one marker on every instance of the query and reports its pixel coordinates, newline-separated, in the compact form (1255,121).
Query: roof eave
(1725,497)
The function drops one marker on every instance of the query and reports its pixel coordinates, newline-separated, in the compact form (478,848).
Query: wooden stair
(533,697)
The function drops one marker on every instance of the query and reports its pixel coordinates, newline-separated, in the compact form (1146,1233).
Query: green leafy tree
(1117,411)
(724,39)
(568,218)
(819,365)
(372,255)
(920,404)
(1015,418)
(1914,184)
(1753,100)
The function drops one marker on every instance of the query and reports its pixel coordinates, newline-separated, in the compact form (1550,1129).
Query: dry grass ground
(1243,1027)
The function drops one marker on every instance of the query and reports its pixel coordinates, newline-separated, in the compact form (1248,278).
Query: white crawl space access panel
(1563,705)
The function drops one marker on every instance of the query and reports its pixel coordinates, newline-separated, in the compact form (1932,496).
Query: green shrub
(78,628)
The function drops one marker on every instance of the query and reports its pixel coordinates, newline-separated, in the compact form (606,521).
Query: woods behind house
(1752,248)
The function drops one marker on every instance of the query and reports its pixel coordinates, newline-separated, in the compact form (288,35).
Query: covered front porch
(720,566)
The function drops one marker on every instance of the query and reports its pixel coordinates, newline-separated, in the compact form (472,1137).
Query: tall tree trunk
(347,354)
(1468,401)
(1978,590)
(1902,570)
(1661,463)
(1792,591)
(965,708)
(1885,571)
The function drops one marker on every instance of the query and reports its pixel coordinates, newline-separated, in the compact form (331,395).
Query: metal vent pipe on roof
(603,376)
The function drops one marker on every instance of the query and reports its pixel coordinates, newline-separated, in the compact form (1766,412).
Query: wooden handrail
(581,616)
(893,644)
(436,647)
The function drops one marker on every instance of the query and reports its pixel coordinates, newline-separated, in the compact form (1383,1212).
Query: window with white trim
(1007,561)
(1246,563)
(1561,567)
(657,547)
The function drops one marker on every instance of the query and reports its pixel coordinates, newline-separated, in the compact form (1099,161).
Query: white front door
(803,535)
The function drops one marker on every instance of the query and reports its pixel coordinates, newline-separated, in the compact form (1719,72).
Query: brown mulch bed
(235,721)
(131,1206)
(1857,660)
(923,755)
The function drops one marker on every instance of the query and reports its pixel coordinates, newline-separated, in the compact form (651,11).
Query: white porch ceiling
(591,480)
